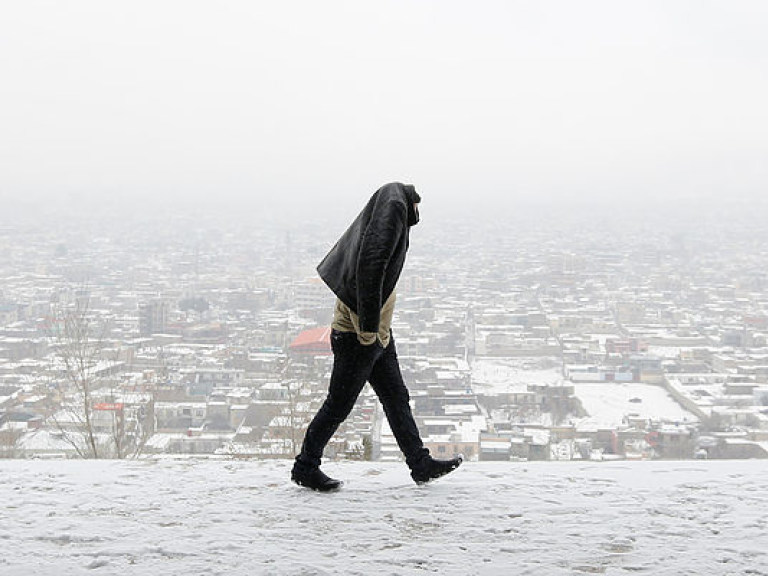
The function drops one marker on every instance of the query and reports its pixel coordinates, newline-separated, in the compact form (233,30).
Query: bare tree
(9,438)
(78,351)
(293,398)
(287,425)
(94,418)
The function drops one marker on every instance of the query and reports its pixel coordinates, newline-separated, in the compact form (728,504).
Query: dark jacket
(363,267)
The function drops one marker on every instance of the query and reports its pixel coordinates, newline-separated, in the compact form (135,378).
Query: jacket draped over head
(363,267)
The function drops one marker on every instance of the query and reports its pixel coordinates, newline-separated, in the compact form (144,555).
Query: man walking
(362,269)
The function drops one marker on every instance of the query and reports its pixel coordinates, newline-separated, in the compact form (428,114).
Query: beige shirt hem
(345,320)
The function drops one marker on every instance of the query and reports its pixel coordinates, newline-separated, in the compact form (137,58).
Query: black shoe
(314,479)
(430,469)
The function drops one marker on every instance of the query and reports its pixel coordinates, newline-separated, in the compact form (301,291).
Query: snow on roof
(495,444)
(45,440)
(186,404)
(608,403)
(15,426)
(507,375)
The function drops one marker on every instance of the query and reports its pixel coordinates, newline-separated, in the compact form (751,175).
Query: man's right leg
(352,364)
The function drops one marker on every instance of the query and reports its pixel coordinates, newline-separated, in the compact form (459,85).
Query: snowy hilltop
(193,516)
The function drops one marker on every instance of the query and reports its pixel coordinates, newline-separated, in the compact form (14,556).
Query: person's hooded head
(413,204)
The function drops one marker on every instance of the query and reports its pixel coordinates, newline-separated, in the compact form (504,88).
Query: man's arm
(380,239)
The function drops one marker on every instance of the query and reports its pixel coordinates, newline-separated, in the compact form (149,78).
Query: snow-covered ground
(608,404)
(192,517)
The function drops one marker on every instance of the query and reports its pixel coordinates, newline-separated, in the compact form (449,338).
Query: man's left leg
(387,381)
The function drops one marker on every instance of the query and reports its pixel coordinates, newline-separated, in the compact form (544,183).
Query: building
(153,317)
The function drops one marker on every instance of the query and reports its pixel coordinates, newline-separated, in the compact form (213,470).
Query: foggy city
(581,321)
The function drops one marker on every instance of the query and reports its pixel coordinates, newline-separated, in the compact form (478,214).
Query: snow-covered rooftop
(502,375)
(608,404)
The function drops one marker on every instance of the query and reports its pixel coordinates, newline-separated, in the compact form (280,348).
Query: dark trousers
(353,365)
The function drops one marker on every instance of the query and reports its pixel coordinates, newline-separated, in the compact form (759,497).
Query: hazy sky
(312,104)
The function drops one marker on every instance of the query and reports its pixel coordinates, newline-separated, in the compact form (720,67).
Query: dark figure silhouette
(362,269)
